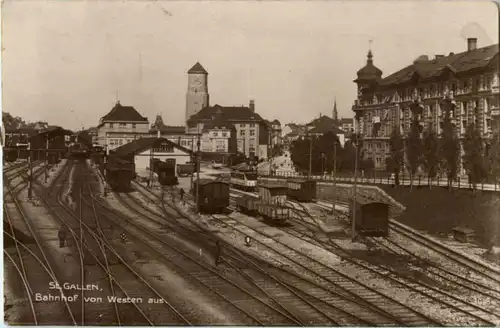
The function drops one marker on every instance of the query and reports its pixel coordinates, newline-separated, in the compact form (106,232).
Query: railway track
(479,267)
(123,281)
(226,289)
(312,301)
(459,305)
(374,315)
(36,270)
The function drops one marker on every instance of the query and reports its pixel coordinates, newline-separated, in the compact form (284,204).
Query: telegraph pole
(354,190)
(192,159)
(30,191)
(46,157)
(334,175)
(198,176)
(310,155)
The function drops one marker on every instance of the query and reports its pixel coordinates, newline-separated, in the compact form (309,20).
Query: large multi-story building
(121,125)
(251,129)
(252,132)
(470,78)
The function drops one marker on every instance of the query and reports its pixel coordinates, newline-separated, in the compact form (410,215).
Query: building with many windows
(468,78)
(123,124)
(251,129)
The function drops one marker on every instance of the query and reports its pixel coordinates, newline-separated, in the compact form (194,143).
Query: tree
(493,158)
(322,153)
(430,158)
(395,161)
(474,155)
(414,148)
(450,147)
(11,122)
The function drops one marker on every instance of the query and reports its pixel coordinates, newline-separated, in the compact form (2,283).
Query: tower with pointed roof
(335,113)
(197,92)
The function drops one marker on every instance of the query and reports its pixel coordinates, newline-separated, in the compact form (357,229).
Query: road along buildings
(470,78)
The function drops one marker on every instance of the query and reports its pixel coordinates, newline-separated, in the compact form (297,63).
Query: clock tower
(197,92)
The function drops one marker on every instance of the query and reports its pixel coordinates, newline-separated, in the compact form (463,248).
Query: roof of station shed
(142,144)
(55,131)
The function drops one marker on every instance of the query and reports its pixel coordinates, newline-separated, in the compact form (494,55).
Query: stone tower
(335,114)
(197,92)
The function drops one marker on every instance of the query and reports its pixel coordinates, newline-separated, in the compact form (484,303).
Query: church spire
(335,114)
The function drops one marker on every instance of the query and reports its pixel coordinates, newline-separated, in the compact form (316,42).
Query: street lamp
(322,163)
(30,179)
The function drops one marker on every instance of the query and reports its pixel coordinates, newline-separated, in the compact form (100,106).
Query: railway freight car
(184,170)
(372,218)
(301,190)
(166,172)
(270,204)
(119,173)
(214,195)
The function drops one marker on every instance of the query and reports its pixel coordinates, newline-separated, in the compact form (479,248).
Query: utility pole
(310,155)
(46,157)
(30,187)
(198,143)
(334,175)
(354,190)
(192,160)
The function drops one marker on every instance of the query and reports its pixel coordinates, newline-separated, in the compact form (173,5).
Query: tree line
(420,152)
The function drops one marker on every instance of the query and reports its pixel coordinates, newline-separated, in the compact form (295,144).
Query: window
(224,134)
(123,125)
(216,134)
(133,126)
(252,125)
(242,133)
(242,125)
(111,125)
(252,132)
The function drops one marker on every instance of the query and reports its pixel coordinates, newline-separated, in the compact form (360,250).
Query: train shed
(142,150)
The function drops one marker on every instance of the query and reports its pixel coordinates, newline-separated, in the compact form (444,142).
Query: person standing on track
(217,253)
(63,233)
(182,194)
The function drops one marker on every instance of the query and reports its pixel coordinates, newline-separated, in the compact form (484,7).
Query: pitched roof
(321,120)
(455,63)
(217,123)
(142,144)
(326,126)
(123,114)
(275,121)
(197,69)
(53,131)
(346,120)
(226,113)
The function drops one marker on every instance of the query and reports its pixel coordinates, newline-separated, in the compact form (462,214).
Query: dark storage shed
(372,218)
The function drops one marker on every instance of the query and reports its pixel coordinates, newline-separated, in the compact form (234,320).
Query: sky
(67,62)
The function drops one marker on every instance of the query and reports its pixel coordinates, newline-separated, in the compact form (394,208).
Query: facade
(469,79)
(274,133)
(197,93)
(123,124)
(250,129)
(347,125)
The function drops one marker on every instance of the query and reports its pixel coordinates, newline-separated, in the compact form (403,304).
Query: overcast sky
(292,57)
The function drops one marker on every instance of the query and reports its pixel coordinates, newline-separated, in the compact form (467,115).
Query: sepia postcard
(250,163)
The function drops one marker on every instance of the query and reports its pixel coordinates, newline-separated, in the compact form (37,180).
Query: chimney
(252,106)
(471,44)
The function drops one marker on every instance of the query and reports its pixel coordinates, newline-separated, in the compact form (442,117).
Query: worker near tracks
(148,182)
(182,194)
(63,234)
(217,253)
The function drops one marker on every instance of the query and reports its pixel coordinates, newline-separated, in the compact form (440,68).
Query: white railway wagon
(244,180)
